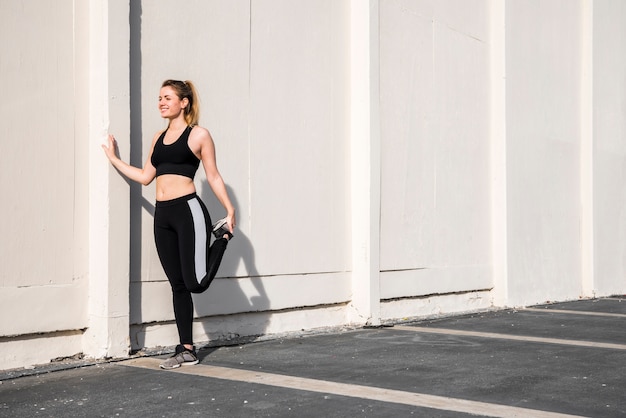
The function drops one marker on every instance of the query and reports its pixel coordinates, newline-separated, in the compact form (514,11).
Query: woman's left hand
(231,222)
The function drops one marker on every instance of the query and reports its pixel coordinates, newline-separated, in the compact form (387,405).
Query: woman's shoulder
(199,130)
(200,134)
(200,140)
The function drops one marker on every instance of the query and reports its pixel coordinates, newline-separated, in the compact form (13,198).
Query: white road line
(569,312)
(355,391)
(526,338)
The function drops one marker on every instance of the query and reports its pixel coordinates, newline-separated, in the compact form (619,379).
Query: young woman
(181,221)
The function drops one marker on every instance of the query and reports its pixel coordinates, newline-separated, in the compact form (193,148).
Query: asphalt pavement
(557,360)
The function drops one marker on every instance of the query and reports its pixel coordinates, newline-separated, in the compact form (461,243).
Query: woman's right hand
(111,149)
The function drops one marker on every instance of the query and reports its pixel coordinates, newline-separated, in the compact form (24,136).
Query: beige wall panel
(43,309)
(407,128)
(299,136)
(543,150)
(37,144)
(244,327)
(433,281)
(43,171)
(435,144)
(230,296)
(609,123)
(273,293)
(408,309)
(18,353)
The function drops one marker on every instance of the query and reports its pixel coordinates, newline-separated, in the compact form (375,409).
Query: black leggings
(182,231)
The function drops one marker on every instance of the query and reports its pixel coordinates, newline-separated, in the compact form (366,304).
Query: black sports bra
(175,158)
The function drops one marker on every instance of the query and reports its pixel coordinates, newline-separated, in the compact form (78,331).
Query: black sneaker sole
(220,229)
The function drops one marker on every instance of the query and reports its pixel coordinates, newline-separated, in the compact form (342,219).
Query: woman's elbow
(214,179)
(146,180)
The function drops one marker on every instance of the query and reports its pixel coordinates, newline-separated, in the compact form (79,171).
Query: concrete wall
(389,159)
(435,194)
(543,51)
(44,225)
(607,132)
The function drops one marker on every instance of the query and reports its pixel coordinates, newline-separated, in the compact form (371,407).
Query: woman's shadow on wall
(228,294)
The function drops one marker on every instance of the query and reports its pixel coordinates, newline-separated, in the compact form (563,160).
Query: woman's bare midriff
(171,186)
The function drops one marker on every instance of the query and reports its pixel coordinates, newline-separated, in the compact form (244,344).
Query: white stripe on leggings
(199,227)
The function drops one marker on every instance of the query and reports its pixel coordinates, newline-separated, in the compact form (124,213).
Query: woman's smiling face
(170,105)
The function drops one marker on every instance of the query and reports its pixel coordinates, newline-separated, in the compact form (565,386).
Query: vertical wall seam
(586,152)
(499,215)
(249,214)
(93,343)
(365,159)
